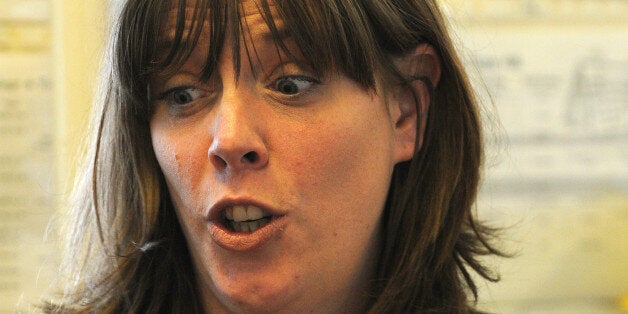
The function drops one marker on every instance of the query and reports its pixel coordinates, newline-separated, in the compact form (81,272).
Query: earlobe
(413,98)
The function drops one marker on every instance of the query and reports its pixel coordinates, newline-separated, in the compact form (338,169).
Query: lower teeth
(248,226)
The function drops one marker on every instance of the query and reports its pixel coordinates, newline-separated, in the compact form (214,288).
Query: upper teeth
(240,213)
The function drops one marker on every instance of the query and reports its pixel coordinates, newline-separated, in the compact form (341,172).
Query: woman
(279,156)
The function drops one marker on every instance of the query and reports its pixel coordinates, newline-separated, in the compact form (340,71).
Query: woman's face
(278,178)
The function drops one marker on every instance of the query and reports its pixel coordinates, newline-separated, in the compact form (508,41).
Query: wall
(553,76)
(49,52)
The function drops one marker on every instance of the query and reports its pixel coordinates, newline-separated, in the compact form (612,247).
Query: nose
(237,142)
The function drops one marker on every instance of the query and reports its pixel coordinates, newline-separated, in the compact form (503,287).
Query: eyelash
(175,108)
(288,95)
(169,94)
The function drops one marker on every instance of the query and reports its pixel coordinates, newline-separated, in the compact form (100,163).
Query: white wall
(49,54)
(555,73)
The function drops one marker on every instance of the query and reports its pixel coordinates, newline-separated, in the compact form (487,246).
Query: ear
(411,101)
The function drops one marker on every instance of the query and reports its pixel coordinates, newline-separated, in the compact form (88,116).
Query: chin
(256,294)
(258,302)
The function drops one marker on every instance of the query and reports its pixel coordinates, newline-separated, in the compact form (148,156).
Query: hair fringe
(125,250)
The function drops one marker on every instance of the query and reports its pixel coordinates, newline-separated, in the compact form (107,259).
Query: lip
(241,241)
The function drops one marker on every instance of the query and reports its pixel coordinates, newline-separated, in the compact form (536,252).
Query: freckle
(177,157)
(335,234)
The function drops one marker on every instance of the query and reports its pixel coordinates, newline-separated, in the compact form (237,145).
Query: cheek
(342,161)
(309,153)
(165,153)
(180,161)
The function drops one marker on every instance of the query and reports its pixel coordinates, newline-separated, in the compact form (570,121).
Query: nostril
(218,161)
(250,157)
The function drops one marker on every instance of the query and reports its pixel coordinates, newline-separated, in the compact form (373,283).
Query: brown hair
(126,250)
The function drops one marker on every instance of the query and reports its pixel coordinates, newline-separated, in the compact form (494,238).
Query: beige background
(554,72)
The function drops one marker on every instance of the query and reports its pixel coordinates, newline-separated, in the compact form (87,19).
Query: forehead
(203,30)
(249,13)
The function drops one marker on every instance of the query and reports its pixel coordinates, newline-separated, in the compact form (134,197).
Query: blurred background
(553,79)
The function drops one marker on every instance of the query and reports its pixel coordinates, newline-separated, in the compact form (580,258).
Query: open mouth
(245,218)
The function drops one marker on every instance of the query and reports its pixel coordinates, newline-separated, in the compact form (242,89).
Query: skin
(324,161)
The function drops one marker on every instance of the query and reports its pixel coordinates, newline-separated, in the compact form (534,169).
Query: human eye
(182,101)
(293,85)
(181,96)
